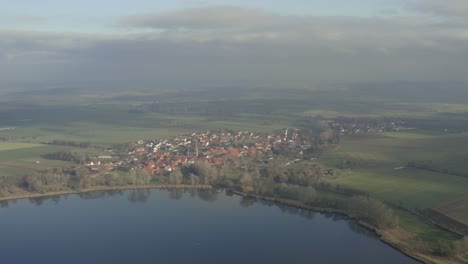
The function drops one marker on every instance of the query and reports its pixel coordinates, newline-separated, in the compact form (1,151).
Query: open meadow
(378,164)
(23,159)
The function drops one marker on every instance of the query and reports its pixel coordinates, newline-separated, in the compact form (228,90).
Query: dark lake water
(179,226)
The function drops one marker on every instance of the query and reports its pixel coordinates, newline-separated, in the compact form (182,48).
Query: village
(219,147)
(346,126)
(215,147)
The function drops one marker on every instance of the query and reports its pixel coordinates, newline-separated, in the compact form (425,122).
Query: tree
(246,181)
(206,172)
(176,177)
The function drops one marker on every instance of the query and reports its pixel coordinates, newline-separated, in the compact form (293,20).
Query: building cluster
(359,126)
(98,166)
(216,148)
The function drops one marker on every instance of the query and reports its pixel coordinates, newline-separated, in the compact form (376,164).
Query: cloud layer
(232,45)
(450,8)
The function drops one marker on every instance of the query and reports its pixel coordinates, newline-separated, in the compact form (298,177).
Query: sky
(254,42)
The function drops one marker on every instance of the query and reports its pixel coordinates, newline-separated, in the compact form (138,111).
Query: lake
(180,226)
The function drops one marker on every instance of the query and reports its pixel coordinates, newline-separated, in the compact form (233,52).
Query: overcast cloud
(229,45)
(450,8)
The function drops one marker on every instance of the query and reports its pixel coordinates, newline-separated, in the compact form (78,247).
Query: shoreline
(384,235)
(102,188)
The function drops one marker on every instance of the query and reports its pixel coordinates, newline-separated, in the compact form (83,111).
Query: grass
(378,108)
(8,170)
(374,159)
(4,146)
(410,188)
(444,151)
(22,161)
(423,231)
(109,126)
(108,134)
(409,135)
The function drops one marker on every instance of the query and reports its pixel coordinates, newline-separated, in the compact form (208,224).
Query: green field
(423,231)
(374,165)
(107,119)
(375,162)
(386,108)
(22,161)
(5,146)
(410,188)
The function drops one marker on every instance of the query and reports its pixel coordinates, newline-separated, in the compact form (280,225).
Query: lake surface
(179,226)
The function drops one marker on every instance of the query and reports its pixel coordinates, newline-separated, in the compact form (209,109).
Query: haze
(261,43)
(357,108)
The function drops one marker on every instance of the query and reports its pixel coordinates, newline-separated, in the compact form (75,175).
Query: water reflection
(335,217)
(134,196)
(56,233)
(247,201)
(307,214)
(101,194)
(176,194)
(38,201)
(139,196)
(56,199)
(142,196)
(356,228)
(7,203)
(207,195)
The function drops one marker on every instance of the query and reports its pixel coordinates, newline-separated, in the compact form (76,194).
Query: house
(93,163)
(150,167)
(109,166)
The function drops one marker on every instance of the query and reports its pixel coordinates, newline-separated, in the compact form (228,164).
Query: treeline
(457,249)
(42,182)
(216,108)
(72,178)
(70,143)
(340,189)
(364,208)
(300,181)
(80,177)
(46,182)
(450,122)
(67,156)
(429,166)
